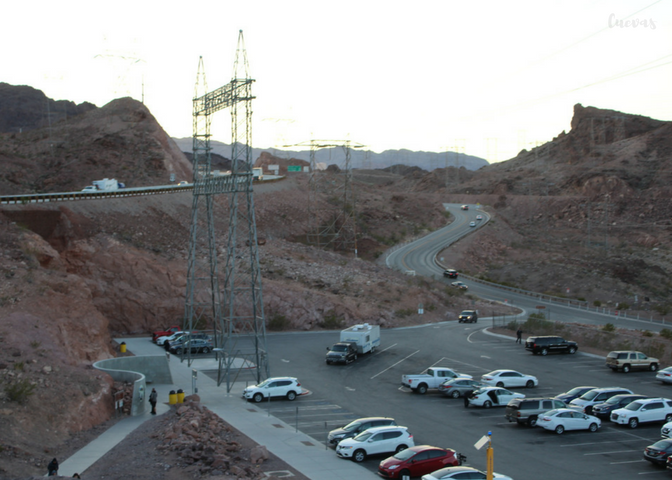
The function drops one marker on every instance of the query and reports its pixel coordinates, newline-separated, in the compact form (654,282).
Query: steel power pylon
(234,310)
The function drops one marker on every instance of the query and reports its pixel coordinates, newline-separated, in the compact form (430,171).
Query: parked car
(544,345)
(603,410)
(665,375)
(643,411)
(468,316)
(169,338)
(457,387)
(460,285)
(666,430)
(276,387)
(356,427)
(491,397)
(626,360)
(462,473)
(195,345)
(597,395)
(450,273)
(375,441)
(418,460)
(563,419)
(526,410)
(659,452)
(575,392)
(171,345)
(432,378)
(509,379)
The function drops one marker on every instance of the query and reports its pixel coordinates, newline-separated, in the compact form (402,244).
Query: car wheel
(559,429)
(291,396)
(258,397)
(487,404)
(593,427)
(455,394)
(532,421)
(422,389)
(626,368)
(206,350)
(668,418)
(572,350)
(529,384)
(404,473)
(653,367)
(544,351)
(500,384)
(359,456)
(633,423)
(400,448)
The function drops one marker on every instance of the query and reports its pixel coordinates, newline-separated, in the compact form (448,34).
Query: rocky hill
(588,211)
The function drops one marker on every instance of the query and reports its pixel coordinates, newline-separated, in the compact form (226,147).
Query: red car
(419,460)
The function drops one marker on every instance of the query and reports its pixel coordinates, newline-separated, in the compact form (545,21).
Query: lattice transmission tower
(234,309)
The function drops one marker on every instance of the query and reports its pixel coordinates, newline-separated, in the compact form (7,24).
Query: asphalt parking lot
(371,386)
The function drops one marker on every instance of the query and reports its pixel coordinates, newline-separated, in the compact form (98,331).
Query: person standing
(519,335)
(52,468)
(152,400)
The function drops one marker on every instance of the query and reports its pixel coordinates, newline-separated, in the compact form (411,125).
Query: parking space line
(629,461)
(394,365)
(610,453)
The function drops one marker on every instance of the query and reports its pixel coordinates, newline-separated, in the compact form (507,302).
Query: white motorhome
(364,336)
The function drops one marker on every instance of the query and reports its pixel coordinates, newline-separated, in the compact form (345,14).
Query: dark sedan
(603,410)
(195,345)
(575,392)
(658,452)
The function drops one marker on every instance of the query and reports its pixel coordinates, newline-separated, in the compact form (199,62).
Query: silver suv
(375,441)
(356,427)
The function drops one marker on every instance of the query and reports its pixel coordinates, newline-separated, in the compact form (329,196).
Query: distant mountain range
(359,159)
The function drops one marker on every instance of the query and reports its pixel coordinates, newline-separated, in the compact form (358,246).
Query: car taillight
(298,384)
(517,414)
(546,419)
(410,381)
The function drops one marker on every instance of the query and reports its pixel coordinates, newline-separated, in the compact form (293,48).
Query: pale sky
(486,77)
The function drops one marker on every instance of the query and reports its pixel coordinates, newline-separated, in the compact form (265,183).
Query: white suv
(287,387)
(646,410)
(597,395)
(373,441)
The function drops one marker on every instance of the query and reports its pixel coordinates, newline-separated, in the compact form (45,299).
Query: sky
(485,78)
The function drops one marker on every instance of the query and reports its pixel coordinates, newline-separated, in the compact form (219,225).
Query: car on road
(457,387)
(659,452)
(543,345)
(575,392)
(479,217)
(194,345)
(460,285)
(643,411)
(563,419)
(356,427)
(472,224)
(462,473)
(418,460)
(90,189)
(626,360)
(468,316)
(275,387)
(665,375)
(525,411)
(491,397)
(465,207)
(450,273)
(182,183)
(603,410)
(375,441)
(509,379)
(597,395)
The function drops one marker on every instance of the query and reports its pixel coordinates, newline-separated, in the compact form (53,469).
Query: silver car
(458,387)
(665,375)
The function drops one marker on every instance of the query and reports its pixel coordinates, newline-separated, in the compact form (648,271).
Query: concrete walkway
(301,451)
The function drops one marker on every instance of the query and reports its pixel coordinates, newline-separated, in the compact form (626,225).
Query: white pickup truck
(434,377)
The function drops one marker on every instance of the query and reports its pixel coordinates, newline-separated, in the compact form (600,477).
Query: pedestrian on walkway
(152,400)
(519,335)
(52,468)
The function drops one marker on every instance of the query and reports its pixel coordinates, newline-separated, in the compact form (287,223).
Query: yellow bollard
(172,397)
(180,396)
(122,347)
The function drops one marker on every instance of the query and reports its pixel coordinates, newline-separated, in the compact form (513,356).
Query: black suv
(342,352)
(526,410)
(468,316)
(356,427)
(549,344)
(450,273)
(603,410)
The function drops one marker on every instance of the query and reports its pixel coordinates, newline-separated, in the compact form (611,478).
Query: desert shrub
(19,366)
(34,344)
(666,333)
(597,303)
(608,327)
(622,306)
(19,391)
(331,321)
(663,309)
(656,350)
(404,312)
(278,322)
(647,333)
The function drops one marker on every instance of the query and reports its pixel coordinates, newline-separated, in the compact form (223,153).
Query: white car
(509,379)
(374,441)
(665,375)
(462,473)
(90,188)
(472,224)
(642,411)
(562,419)
(666,430)
(491,397)
(278,387)
(169,338)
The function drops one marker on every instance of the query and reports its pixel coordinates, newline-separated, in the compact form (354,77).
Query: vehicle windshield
(264,383)
(364,436)
(589,395)
(575,391)
(550,413)
(339,348)
(634,406)
(405,454)
(351,426)
(467,312)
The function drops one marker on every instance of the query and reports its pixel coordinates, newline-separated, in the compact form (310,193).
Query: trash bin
(180,396)
(172,397)
(122,347)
